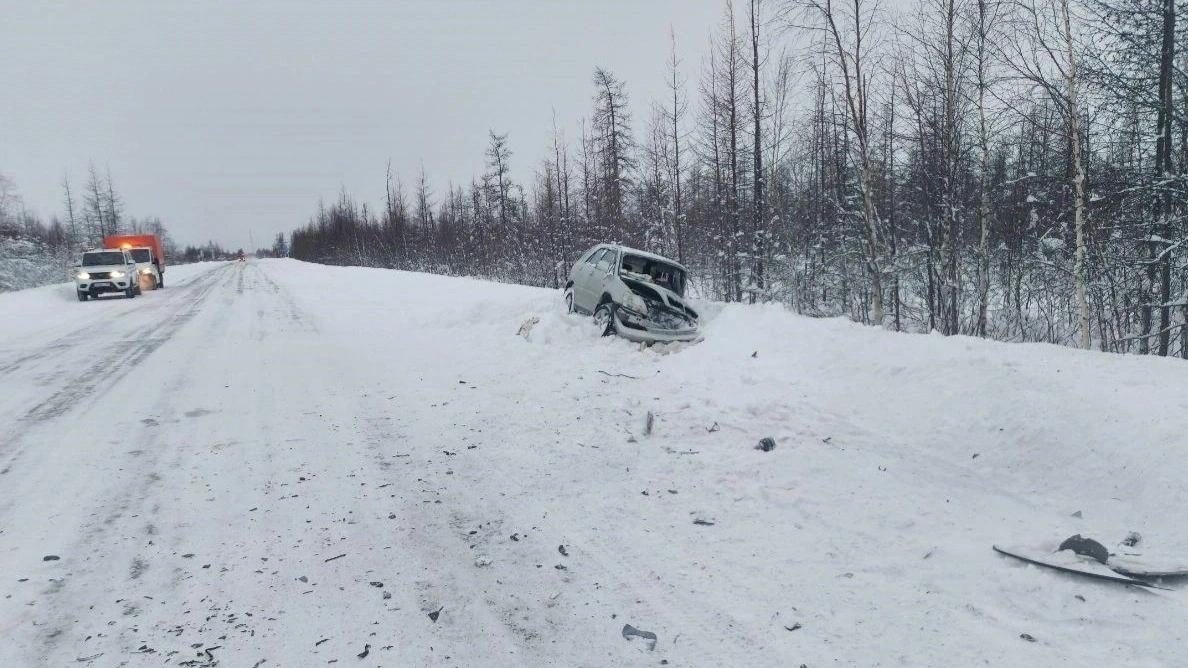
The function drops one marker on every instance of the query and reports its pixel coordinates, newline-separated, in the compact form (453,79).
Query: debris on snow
(436,613)
(526,328)
(1086,547)
(630,632)
(766,444)
(619,375)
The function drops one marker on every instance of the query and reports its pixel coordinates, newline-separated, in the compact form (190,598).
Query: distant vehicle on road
(632,293)
(103,271)
(148,252)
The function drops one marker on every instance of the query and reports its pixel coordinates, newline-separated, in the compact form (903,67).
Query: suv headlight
(117,274)
(634,302)
(82,274)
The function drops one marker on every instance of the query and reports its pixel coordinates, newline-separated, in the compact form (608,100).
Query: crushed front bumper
(642,330)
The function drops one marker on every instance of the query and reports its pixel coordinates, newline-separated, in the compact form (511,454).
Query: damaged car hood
(666,297)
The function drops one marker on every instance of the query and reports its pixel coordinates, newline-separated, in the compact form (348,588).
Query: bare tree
(675,114)
(612,145)
(844,32)
(1045,55)
(760,234)
(499,173)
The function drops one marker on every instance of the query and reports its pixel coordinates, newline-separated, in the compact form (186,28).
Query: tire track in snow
(113,361)
(124,528)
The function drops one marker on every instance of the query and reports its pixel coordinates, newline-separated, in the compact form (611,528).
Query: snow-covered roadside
(506,482)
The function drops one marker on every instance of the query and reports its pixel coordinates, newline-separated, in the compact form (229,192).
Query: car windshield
(99,258)
(653,270)
(141,255)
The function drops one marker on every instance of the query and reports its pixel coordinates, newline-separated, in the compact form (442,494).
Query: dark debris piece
(50,557)
(1086,547)
(766,444)
(630,632)
(562,550)
(436,613)
(365,652)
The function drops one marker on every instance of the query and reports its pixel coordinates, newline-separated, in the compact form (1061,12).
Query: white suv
(102,271)
(632,293)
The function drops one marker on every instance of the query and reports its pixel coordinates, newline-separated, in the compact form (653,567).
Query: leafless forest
(1007,169)
(1013,170)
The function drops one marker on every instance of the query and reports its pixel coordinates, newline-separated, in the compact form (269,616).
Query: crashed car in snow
(632,293)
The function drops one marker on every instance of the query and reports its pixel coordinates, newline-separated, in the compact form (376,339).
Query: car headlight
(117,274)
(82,274)
(634,302)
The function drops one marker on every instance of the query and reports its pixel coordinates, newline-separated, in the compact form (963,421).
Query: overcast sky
(222,117)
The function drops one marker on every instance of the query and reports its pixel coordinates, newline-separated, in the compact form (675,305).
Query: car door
(605,271)
(584,281)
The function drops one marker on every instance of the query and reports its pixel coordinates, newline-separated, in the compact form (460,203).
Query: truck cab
(148,251)
(103,271)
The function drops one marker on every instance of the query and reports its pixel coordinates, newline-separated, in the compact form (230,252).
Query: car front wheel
(604,317)
(82,296)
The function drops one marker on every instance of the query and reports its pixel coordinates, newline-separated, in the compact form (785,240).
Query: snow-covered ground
(274,463)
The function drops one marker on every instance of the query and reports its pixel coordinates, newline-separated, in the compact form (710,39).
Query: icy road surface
(274,463)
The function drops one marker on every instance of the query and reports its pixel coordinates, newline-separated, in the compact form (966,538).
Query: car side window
(607,260)
(593,259)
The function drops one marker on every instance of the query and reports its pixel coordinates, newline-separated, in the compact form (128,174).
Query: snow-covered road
(273,463)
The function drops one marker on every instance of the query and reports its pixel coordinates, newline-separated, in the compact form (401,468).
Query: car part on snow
(630,632)
(766,444)
(526,327)
(1086,547)
(1086,556)
(1070,562)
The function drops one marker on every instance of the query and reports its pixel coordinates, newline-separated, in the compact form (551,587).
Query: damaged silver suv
(632,293)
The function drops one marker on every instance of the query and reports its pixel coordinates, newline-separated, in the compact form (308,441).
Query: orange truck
(146,250)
